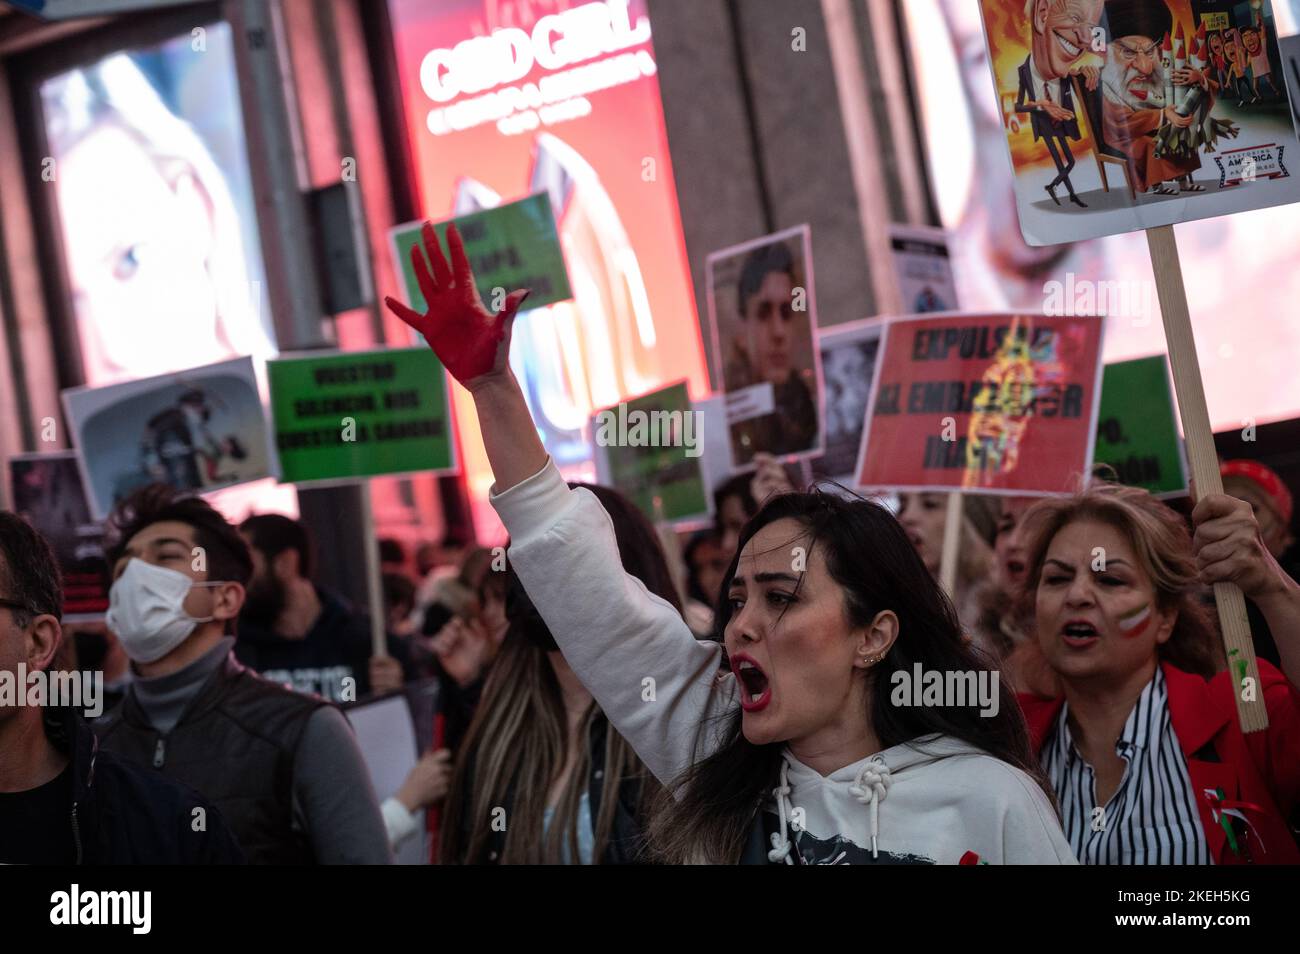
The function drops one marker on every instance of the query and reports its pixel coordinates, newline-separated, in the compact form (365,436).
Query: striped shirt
(1152,818)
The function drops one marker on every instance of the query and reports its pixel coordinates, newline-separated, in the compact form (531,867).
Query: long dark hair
(708,813)
(519,737)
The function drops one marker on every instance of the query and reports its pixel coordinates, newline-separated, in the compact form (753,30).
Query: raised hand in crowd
(471,341)
(1230,549)
(463,648)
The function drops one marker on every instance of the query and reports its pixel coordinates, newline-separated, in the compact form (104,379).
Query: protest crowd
(899,592)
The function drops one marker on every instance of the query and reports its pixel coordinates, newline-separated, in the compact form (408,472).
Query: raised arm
(474,346)
(632,651)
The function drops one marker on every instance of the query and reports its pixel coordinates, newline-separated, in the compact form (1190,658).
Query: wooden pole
(374,586)
(1204,464)
(951,541)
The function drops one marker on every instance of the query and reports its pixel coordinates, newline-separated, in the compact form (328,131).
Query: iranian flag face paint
(1135,622)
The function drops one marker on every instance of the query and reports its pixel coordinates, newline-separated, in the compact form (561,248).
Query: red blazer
(1259,768)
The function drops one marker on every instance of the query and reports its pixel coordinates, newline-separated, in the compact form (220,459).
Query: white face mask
(146,610)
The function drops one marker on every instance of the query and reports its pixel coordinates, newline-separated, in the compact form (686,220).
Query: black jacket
(236,742)
(1044,126)
(123,815)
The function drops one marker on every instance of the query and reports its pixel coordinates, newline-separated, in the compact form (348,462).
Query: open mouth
(755,690)
(1079,633)
(1070,49)
(1016,568)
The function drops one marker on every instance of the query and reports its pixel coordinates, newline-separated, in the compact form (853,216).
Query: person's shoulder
(987,782)
(258,703)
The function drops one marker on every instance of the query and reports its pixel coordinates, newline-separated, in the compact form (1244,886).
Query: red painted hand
(472,342)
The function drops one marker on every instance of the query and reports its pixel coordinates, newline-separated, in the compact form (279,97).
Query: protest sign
(1137,431)
(339,416)
(196,430)
(1140,114)
(1148,86)
(511,246)
(848,355)
(48,494)
(650,449)
(386,737)
(1001,404)
(924,269)
(762,317)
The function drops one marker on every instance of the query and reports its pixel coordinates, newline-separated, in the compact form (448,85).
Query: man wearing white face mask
(62,800)
(283,767)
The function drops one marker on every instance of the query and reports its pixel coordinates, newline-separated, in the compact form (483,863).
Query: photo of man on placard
(763,320)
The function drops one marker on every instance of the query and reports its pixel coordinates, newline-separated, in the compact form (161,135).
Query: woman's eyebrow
(770,577)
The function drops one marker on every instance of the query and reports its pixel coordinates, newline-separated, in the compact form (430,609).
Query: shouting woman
(812,747)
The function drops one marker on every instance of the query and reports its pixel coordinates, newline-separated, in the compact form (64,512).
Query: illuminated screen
(155,206)
(1239,270)
(156,210)
(504,99)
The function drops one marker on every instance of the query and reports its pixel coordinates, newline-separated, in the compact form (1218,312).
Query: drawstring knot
(780,840)
(870,788)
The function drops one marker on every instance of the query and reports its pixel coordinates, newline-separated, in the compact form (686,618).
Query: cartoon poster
(198,430)
(848,368)
(1131,114)
(763,318)
(998,404)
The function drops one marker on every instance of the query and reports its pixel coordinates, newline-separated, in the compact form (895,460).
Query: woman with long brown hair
(819,745)
(1142,743)
(542,777)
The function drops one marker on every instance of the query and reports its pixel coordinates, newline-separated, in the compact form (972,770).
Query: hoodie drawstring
(870,788)
(780,840)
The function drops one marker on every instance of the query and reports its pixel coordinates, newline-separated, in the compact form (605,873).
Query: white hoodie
(928,801)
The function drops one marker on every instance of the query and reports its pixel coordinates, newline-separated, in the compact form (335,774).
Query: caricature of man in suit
(1061,32)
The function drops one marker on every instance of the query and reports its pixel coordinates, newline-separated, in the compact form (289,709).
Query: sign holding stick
(1204,462)
(1179,106)
(1179,102)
